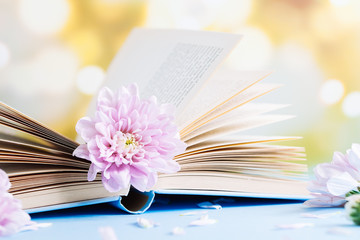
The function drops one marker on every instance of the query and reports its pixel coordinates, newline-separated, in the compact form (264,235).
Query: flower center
(127,145)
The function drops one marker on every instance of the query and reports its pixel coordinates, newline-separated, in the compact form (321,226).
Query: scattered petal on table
(178,231)
(322,216)
(294,225)
(146,223)
(339,231)
(35,226)
(193,213)
(209,205)
(107,233)
(203,220)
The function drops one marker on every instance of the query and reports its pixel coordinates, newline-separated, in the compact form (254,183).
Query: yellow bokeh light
(331,91)
(43,16)
(87,44)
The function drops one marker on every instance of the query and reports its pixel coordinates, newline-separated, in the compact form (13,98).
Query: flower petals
(341,184)
(12,217)
(333,181)
(339,231)
(193,213)
(107,233)
(146,223)
(209,205)
(321,216)
(129,140)
(178,231)
(294,225)
(4,182)
(203,221)
(35,226)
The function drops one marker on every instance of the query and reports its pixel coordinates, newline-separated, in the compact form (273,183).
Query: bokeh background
(54,55)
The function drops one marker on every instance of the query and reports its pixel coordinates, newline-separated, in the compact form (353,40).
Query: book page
(246,96)
(236,115)
(230,182)
(235,127)
(223,86)
(170,64)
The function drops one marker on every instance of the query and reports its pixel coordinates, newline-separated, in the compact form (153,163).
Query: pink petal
(4,182)
(178,231)
(119,178)
(203,221)
(294,225)
(146,223)
(354,156)
(209,205)
(130,140)
(341,184)
(339,231)
(82,152)
(107,233)
(92,172)
(85,128)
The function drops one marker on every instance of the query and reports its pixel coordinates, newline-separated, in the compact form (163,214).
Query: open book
(213,109)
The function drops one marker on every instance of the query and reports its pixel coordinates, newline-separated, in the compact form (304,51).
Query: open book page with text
(169,64)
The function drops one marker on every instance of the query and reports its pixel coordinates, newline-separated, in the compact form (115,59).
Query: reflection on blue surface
(164,203)
(240,218)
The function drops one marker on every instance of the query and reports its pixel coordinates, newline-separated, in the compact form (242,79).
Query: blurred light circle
(188,23)
(4,55)
(253,52)
(331,91)
(55,69)
(89,79)
(351,105)
(232,13)
(192,14)
(44,16)
(339,3)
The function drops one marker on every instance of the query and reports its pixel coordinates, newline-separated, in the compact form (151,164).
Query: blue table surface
(240,218)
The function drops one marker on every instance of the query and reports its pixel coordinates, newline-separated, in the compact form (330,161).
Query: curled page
(135,201)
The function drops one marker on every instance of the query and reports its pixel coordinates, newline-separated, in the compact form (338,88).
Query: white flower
(352,208)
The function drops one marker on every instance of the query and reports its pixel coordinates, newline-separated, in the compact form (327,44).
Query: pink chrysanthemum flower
(12,217)
(129,140)
(336,180)
(4,182)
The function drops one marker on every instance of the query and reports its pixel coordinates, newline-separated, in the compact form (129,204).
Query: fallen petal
(193,213)
(146,223)
(341,184)
(35,226)
(339,231)
(202,221)
(107,233)
(294,225)
(209,205)
(322,216)
(178,231)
